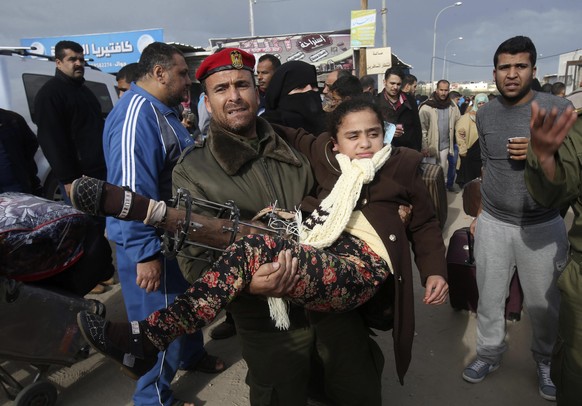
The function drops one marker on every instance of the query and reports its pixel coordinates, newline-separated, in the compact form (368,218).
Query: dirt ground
(444,343)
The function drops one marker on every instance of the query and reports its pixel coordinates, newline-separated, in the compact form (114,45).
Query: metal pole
(251,18)
(384,26)
(363,62)
(445,55)
(434,43)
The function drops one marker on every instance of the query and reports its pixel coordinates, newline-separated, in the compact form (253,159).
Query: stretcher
(39,328)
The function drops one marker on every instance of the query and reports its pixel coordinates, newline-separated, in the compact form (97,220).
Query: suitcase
(463,293)
(434,179)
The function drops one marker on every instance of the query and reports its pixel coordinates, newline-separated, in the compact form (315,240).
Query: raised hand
(548,131)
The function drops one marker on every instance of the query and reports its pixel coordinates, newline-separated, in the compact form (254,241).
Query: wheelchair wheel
(40,393)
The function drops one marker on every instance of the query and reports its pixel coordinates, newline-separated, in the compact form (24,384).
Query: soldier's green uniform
(564,190)
(255,174)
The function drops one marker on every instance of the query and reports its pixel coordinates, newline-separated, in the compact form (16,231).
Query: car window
(100,90)
(33,83)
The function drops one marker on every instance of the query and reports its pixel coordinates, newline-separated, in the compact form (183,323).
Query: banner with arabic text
(108,52)
(326,50)
(378,60)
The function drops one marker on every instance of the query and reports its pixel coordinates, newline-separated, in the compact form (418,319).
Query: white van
(21,77)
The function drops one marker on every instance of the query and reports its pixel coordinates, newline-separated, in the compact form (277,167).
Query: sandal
(133,362)
(209,364)
(97,307)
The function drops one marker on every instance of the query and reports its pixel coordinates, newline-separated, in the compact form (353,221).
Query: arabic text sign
(109,52)
(363,28)
(323,50)
(378,60)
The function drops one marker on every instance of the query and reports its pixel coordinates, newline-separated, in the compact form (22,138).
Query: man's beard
(175,101)
(241,129)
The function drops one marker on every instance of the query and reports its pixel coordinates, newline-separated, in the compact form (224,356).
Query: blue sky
(554,25)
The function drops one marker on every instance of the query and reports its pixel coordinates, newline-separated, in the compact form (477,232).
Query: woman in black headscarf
(293,99)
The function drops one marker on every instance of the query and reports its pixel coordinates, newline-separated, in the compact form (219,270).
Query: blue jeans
(452,170)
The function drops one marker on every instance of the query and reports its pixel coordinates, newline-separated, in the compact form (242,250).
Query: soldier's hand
(276,279)
(548,130)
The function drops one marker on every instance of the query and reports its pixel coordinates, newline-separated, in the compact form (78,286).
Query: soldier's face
(233,100)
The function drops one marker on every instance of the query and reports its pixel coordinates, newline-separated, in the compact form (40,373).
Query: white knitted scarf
(329,220)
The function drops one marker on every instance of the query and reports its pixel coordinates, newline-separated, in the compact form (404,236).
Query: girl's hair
(354,105)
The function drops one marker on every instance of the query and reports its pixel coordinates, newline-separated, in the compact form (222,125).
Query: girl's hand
(436,291)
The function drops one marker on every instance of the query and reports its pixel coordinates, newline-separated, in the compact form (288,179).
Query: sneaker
(477,370)
(547,388)
(93,328)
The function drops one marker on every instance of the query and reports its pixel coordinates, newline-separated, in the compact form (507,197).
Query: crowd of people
(361,206)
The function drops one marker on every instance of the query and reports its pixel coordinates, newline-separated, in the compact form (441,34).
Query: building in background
(569,71)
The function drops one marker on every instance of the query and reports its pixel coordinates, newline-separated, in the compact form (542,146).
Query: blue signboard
(108,52)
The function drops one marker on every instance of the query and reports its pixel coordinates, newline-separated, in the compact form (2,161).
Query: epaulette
(197,144)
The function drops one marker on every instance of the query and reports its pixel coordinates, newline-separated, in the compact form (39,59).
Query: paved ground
(444,343)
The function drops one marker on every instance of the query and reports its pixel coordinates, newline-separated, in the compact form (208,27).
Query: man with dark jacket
(399,110)
(70,129)
(245,160)
(69,119)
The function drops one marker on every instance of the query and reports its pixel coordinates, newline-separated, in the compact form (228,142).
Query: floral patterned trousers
(337,279)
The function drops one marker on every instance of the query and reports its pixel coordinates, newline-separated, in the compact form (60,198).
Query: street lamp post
(384,11)
(458,3)
(252,17)
(445,55)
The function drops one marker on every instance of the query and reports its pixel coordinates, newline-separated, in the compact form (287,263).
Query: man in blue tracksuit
(142,140)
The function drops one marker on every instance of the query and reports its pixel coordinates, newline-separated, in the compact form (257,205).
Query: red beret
(226,59)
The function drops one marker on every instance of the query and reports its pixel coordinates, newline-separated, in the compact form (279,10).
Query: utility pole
(252,17)
(384,26)
(363,62)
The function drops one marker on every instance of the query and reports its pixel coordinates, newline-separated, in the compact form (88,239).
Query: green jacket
(226,167)
(566,188)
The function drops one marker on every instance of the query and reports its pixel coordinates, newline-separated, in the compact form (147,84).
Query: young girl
(353,240)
